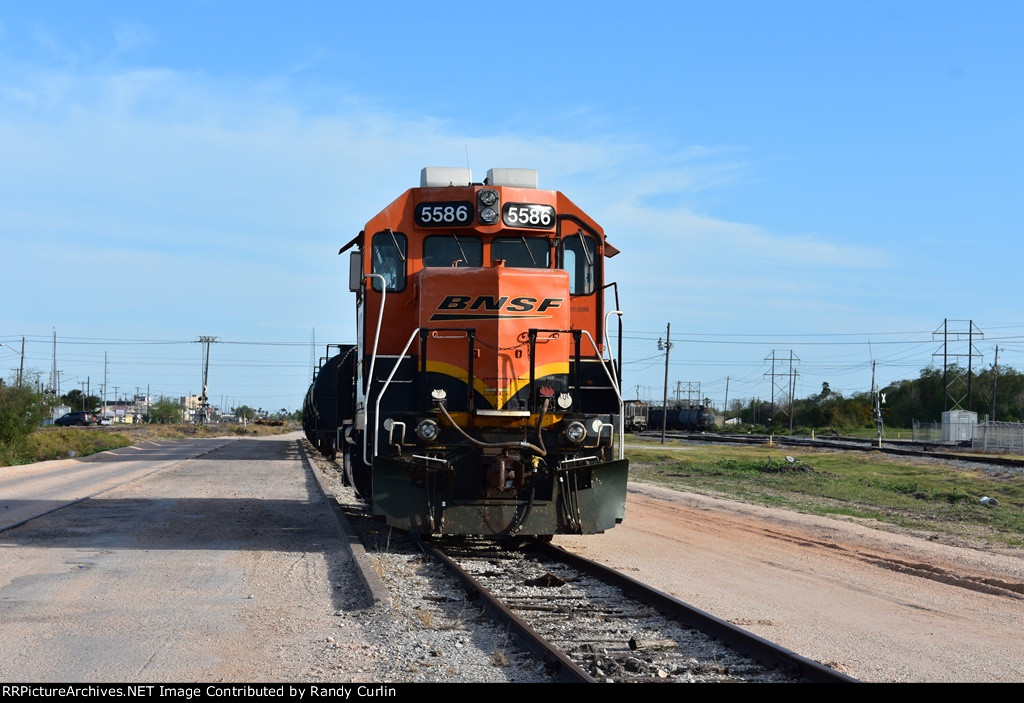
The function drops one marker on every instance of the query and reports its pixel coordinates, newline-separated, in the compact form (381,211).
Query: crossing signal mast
(203,413)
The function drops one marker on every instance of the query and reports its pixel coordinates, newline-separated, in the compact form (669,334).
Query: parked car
(75,418)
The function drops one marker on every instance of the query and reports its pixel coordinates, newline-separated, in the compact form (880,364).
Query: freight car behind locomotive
(330,399)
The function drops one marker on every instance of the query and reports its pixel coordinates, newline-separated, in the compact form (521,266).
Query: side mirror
(355,271)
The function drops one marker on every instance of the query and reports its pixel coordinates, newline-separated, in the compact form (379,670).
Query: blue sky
(831,179)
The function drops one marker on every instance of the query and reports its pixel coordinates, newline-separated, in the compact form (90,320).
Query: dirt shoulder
(878,604)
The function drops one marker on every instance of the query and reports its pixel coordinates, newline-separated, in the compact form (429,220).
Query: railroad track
(584,621)
(908,448)
(597,625)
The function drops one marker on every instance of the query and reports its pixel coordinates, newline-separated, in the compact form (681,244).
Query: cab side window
(579,258)
(388,258)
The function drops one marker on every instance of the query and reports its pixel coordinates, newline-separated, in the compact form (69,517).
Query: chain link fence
(995,436)
(927,431)
(999,436)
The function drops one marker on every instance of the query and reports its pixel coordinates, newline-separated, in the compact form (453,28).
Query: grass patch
(936,497)
(63,442)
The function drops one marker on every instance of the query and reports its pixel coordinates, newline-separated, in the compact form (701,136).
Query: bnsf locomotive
(482,396)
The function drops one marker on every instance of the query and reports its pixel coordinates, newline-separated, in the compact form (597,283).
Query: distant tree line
(921,399)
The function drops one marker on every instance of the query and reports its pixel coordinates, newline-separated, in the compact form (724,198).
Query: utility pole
(667,347)
(995,376)
(312,354)
(792,389)
(54,381)
(725,408)
(878,397)
(21,365)
(204,405)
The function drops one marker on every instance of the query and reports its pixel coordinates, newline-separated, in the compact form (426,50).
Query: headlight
(487,197)
(575,432)
(488,215)
(427,430)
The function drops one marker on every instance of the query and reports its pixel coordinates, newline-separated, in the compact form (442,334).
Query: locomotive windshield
(453,250)
(520,252)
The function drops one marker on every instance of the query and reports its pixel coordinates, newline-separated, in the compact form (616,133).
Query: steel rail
(845,442)
(526,637)
(766,653)
(763,651)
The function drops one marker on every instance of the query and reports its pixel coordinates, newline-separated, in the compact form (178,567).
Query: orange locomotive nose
(501,304)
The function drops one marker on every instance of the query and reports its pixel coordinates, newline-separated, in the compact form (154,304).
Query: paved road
(35,489)
(207,560)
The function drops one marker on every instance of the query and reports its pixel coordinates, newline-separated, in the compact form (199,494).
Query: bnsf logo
(486,302)
(466,307)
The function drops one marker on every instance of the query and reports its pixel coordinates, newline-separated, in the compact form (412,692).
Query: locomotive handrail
(615,287)
(384,388)
(615,387)
(608,346)
(376,336)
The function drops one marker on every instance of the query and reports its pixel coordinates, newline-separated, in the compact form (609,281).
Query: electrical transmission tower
(203,413)
(692,391)
(783,383)
(956,382)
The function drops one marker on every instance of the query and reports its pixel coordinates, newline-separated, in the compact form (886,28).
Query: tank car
(485,394)
(695,418)
(330,399)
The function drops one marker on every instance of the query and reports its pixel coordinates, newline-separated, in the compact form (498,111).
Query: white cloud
(158,191)
(131,35)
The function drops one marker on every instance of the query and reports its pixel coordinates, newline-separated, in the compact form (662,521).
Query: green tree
(246,412)
(21,411)
(165,410)
(915,399)
(77,400)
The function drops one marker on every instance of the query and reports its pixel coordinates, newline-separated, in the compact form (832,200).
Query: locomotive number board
(528,215)
(444,214)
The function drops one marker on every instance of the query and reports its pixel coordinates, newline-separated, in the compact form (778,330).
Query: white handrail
(373,356)
(615,387)
(376,408)
(607,342)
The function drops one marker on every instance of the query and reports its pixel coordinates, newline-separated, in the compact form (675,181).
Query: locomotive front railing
(470,336)
(577,336)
